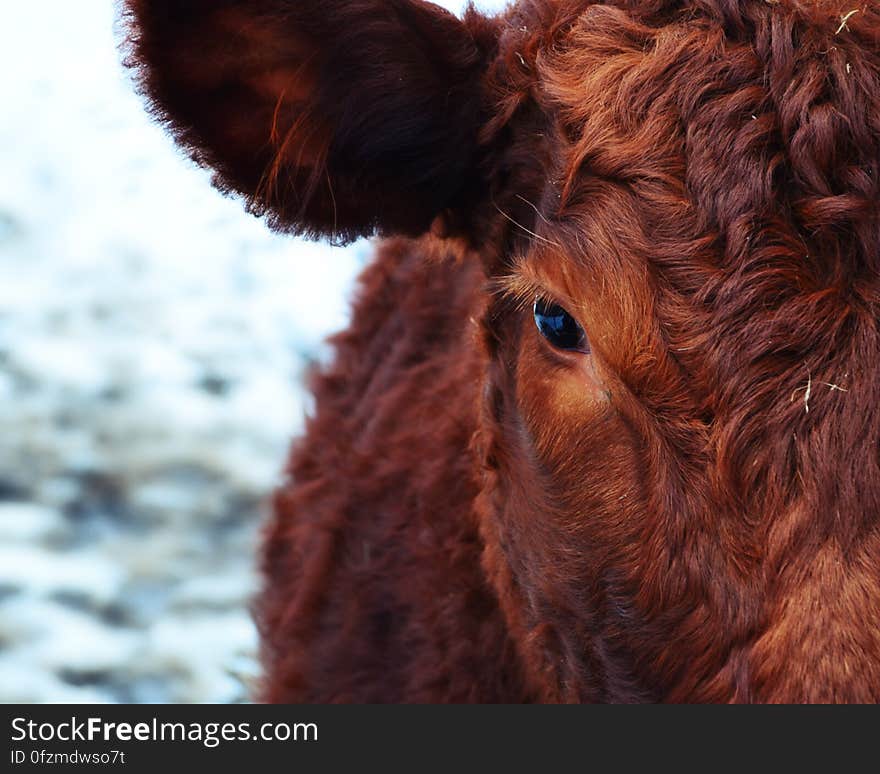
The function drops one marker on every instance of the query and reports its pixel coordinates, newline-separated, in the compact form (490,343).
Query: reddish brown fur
(689,513)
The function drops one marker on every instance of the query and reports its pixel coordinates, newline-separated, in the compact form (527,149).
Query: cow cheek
(583,450)
(572,500)
(585,460)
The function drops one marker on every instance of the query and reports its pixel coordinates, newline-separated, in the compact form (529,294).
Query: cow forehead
(758,139)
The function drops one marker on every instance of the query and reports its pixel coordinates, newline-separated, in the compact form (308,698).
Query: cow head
(676,206)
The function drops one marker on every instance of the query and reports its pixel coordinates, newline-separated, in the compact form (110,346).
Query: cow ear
(334,118)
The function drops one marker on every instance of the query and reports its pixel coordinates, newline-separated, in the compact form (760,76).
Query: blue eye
(559,327)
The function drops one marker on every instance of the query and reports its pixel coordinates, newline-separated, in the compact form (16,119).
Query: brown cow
(606,424)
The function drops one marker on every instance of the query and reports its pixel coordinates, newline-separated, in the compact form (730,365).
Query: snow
(152,342)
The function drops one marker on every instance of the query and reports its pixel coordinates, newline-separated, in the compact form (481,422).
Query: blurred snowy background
(152,342)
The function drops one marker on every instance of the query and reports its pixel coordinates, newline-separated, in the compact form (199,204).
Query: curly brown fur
(691,512)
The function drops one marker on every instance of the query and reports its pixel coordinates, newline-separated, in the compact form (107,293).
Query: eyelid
(523,290)
(543,297)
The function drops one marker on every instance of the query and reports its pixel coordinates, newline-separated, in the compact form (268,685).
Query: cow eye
(559,327)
